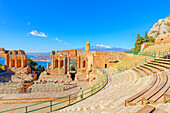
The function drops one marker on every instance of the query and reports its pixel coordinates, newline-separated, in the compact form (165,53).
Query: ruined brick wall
(16,60)
(162,40)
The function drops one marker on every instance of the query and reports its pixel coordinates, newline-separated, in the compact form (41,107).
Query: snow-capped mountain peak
(102,46)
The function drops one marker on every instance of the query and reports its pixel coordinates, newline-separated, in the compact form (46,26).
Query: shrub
(157,34)
(2,67)
(168,24)
(164,32)
(156,24)
(153,31)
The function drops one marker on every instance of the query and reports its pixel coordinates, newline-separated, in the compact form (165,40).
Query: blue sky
(46,25)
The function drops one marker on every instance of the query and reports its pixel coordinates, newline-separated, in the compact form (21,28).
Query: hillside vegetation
(130,60)
(158,49)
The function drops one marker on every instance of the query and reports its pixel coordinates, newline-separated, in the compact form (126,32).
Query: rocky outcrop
(160,29)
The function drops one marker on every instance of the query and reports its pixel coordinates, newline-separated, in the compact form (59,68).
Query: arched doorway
(2,64)
(73,68)
(61,64)
(84,64)
(56,64)
(19,63)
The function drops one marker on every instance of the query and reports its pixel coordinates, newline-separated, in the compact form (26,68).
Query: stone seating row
(9,90)
(96,108)
(121,89)
(122,85)
(157,88)
(50,87)
(141,73)
(150,109)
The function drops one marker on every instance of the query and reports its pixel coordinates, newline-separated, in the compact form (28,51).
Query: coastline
(42,60)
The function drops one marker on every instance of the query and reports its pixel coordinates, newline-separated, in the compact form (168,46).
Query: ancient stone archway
(87,60)
(16,60)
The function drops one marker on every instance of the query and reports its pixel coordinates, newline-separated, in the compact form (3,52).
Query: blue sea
(42,63)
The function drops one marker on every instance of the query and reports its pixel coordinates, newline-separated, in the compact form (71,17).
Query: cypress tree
(139,42)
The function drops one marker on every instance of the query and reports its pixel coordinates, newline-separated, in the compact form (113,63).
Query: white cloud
(58,39)
(28,23)
(101,45)
(66,43)
(35,33)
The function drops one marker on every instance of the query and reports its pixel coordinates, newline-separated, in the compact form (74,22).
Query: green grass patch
(167,101)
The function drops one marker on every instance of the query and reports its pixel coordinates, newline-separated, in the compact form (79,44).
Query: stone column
(22,62)
(81,60)
(10,64)
(78,62)
(15,61)
(68,64)
(64,62)
(52,61)
(47,65)
(59,62)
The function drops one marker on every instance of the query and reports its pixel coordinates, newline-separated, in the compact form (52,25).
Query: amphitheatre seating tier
(146,109)
(149,68)
(153,66)
(162,59)
(50,87)
(157,48)
(121,86)
(10,88)
(158,64)
(144,70)
(156,90)
(137,97)
(151,109)
(139,71)
(131,59)
(158,87)
(162,91)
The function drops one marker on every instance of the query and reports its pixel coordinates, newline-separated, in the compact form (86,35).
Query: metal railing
(62,102)
(159,53)
(122,68)
(153,54)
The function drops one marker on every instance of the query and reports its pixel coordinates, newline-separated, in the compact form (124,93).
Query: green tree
(42,68)
(139,42)
(151,39)
(146,39)
(2,67)
(32,64)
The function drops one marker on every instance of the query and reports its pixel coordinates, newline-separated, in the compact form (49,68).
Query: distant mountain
(130,50)
(101,47)
(39,54)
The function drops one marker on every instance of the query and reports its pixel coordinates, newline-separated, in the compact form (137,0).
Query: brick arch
(6,59)
(74,57)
